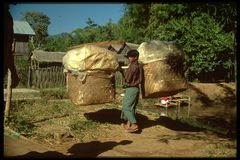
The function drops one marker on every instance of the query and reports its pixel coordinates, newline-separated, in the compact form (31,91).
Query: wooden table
(176,101)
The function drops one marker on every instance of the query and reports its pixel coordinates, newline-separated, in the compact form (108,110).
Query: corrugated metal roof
(22,27)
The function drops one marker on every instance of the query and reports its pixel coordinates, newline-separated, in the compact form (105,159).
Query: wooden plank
(44,77)
(29,77)
(9,97)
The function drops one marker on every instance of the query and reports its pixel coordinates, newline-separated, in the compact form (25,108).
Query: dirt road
(158,137)
(162,137)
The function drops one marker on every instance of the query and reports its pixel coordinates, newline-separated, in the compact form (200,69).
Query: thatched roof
(44,56)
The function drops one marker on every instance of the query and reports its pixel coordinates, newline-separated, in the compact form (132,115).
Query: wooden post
(29,76)
(8,99)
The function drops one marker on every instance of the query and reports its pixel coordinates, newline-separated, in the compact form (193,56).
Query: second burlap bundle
(96,88)
(90,74)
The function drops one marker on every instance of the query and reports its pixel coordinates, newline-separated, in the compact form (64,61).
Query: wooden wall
(46,77)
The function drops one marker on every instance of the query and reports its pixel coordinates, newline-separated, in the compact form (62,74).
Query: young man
(133,78)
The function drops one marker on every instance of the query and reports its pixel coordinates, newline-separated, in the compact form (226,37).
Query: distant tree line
(207,32)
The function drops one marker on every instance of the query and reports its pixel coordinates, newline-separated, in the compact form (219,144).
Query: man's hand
(124,86)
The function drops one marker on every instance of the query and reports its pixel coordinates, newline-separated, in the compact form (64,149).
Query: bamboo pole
(8,99)
(29,76)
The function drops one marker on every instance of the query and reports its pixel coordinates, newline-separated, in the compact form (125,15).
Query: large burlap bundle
(160,80)
(92,88)
(90,57)
(163,68)
(90,72)
(159,50)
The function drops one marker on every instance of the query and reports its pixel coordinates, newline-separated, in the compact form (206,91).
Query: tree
(224,13)
(205,30)
(93,33)
(107,32)
(160,14)
(127,31)
(90,23)
(39,22)
(58,42)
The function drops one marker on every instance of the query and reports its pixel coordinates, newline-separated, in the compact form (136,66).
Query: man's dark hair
(133,53)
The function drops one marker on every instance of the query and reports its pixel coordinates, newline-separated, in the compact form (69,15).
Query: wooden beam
(8,100)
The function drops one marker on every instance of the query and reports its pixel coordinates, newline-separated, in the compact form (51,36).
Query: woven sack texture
(160,80)
(95,88)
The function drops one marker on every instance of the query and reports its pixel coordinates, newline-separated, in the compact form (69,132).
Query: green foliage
(22,64)
(107,32)
(128,32)
(39,22)
(203,39)
(39,110)
(135,11)
(91,33)
(161,14)
(21,124)
(223,13)
(206,31)
(57,43)
(90,23)
(82,128)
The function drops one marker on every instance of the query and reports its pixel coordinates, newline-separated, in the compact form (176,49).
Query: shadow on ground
(112,116)
(225,129)
(89,149)
(219,126)
(230,97)
(202,97)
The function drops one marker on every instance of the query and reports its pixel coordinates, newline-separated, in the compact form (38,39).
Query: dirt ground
(159,136)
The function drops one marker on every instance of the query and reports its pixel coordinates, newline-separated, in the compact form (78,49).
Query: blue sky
(66,17)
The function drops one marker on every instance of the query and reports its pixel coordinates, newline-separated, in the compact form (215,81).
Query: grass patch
(84,129)
(30,117)
(206,124)
(40,110)
(147,102)
(21,124)
(54,93)
(220,150)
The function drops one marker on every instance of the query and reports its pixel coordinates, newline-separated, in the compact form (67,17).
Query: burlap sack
(92,88)
(159,50)
(90,57)
(90,71)
(163,69)
(160,80)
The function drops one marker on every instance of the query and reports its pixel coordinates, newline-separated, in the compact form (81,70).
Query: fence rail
(46,77)
(54,76)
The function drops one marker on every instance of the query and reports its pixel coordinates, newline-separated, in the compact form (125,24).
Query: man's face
(132,58)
